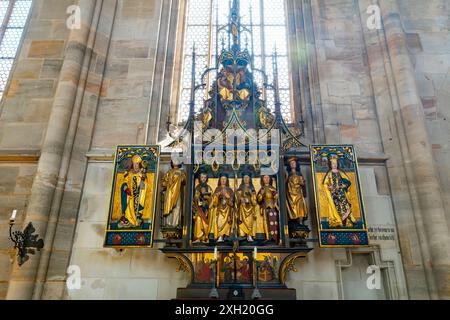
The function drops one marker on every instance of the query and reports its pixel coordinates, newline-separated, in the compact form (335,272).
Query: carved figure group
(245,212)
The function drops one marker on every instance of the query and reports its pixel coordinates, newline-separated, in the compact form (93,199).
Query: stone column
(301,100)
(421,173)
(412,239)
(53,221)
(172,73)
(157,114)
(23,278)
(51,281)
(312,33)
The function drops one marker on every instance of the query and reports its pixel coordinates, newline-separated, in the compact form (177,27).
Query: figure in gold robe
(296,204)
(222,210)
(243,269)
(201,204)
(206,113)
(233,81)
(265,117)
(247,208)
(243,84)
(225,83)
(337,187)
(268,201)
(133,192)
(206,117)
(172,183)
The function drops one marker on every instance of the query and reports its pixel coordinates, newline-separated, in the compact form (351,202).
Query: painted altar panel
(203,264)
(240,268)
(131,212)
(268,268)
(237,269)
(339,202)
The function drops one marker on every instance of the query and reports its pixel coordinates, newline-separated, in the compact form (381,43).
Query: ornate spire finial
(234,55)
(235,25)
(236,7)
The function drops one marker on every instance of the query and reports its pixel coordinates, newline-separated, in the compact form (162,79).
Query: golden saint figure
(206,117)
(296,204)
(225,82)
(202,201)
(206,114)
(222,210)
(133,192)
(337,185)
(242,85)
(266,118)
(268,201)
(247,208)
(173,182)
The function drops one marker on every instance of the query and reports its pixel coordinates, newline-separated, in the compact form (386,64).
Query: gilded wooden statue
(296,204)
(222,210)
(173,183)
(247,207)
(200,209)
(268,201)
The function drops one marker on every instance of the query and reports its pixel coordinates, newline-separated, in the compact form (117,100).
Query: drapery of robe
(267,199)
(133,192)
(202,199)
(247,211)
(226,85)
(204,271)
(228,80)
(295,201)
(173,181)
(221,212)
(339,207)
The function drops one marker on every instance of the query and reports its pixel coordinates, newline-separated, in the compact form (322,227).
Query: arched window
(269,31)
(13,16)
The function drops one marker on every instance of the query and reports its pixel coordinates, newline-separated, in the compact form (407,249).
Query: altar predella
(235,213)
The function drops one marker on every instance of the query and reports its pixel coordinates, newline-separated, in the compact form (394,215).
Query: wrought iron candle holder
(25,242)
(256,294)
(214,293)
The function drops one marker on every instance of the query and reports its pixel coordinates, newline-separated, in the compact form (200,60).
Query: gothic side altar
(230,201)
(239,234)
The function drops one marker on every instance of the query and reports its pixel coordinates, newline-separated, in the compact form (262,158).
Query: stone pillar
(172,72)
(412,239)
(161,91)
(22,281)
(51,281)
(53,221)
(421,173)
(305,12)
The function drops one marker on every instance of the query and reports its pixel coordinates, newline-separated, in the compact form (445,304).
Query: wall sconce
(25,242)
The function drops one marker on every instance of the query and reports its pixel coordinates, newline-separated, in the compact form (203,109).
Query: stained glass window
(13,17)
(269,31)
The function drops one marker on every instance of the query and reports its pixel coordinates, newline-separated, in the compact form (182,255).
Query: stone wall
(25,111)
(27,104)
(429,44)
(320,274)
(110,274)
(15,185)
(124,103)
(349,114)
